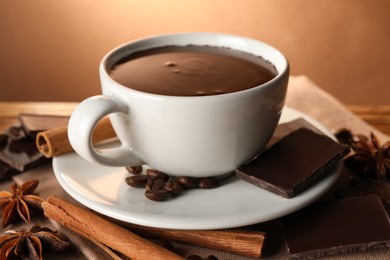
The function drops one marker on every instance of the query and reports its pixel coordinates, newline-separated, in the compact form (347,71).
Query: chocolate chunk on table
(18,151)
(380,188)
(32,124)
(286,128)
(294,163)
(16,133)
(21,153)
(336,227)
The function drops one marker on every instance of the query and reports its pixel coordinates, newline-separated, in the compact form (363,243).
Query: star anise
(17,203)
(30,244)
(370,159)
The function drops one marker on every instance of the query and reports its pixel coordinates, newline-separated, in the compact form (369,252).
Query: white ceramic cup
(188,136)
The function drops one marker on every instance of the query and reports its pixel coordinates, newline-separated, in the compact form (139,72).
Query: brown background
(50,50)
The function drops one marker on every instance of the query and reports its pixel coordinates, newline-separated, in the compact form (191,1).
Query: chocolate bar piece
(16,133)
(336,227)
(380,188)
(32,124)
(20,153)
(294,163)
(286,128)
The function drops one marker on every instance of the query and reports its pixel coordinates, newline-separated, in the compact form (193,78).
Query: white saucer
(233,204)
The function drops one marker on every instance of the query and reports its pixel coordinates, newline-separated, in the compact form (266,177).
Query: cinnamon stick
(103,231)
(55,141)
(237,241)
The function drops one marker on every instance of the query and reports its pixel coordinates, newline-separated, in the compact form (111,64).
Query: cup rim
(233,41)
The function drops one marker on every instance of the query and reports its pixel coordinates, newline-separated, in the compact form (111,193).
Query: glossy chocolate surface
(20,154)
(381,188)
(18,151)
(192,70)
(294,163)
(339,226)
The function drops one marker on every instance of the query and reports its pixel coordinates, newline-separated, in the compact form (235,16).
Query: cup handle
(82,124)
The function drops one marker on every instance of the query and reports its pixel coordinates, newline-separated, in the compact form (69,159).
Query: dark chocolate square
(381,188)
(20,154)
(336,227)
(32,124)
(16,133)
(286,128)
(294,163)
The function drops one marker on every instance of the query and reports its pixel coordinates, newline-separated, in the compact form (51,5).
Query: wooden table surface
(377,116)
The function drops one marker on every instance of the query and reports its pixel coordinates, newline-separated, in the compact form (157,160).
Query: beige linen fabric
(307,97)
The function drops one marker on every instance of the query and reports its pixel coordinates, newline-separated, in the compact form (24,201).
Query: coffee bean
(168,186)
(137,181)
(173,187)
(154,183)
(160,187)
(149,183)
(208,183)
(158,184)
(157,174)
(134,169)
(211,257)
(157,195)
(187,182)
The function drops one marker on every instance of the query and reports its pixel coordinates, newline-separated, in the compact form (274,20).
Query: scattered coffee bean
(149,183)
(157,195)
(208,183)
(137,181)
(157,174)
(187,182)
(211,257)
(134,169)
(159,185)
(154,183)
(173,187)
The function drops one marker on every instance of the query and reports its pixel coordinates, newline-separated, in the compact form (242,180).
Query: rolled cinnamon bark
(55,141)
(237,241)
(91,226)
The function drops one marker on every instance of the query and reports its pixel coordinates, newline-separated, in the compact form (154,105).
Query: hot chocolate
(192,70)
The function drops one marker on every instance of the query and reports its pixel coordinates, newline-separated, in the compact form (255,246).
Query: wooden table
(377,116)
(10,110)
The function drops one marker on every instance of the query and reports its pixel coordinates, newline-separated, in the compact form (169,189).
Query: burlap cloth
(304,96)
